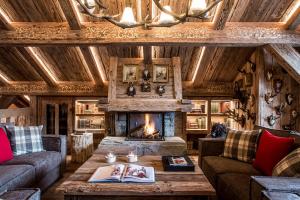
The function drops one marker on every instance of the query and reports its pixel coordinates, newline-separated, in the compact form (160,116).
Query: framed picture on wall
(130,73)
(160,73)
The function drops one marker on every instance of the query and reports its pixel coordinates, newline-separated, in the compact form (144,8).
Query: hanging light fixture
(196,9)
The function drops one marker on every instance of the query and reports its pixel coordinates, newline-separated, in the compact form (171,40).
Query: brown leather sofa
(232,179)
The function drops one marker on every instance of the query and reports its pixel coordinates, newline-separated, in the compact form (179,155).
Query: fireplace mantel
(119,101)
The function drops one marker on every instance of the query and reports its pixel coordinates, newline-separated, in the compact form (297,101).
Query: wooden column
(177,77)
(112,89)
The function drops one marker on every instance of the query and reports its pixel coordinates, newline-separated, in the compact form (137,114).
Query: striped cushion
(241,145)
(289,166)
(25,139)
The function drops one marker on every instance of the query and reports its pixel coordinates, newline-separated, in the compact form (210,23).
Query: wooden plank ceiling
(71,63)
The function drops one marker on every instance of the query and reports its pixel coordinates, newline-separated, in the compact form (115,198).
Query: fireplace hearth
(145,126)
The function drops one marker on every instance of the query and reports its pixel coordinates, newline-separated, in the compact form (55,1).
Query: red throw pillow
(271,149)
(5,149)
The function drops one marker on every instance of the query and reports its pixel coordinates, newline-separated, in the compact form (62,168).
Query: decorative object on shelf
(289,98)
(161,90)
(218,130)
(146,87)
(130,73)
(248,79)
(146,75)
(241,119)
(280,109)
(131,90)
(278,83)
(197,9)
(269,97)
(269,75)
(293,119)
(272,120)
(160,73)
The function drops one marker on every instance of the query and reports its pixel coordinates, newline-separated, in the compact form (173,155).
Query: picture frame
(160,73)
(130,73)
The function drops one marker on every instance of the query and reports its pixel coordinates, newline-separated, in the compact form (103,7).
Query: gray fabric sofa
(37,170)
(232,179)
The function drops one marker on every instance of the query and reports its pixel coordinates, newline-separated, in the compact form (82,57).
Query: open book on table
(123,173)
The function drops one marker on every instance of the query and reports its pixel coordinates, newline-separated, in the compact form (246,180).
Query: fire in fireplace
(145,126)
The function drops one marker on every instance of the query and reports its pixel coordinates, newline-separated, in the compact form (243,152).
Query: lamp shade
(198,5)
(166,18)
(128,17)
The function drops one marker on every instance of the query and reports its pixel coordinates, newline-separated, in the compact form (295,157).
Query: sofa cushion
(289,166)
(25,139)
(42,161)
(212,166)
(16,176)
(241,145)
(5,149)
(233,186)
(271,149)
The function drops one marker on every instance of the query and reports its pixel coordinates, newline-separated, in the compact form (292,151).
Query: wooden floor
(52,193)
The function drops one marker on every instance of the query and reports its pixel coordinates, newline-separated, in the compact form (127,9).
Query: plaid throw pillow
(289,166)
(241,145)
(25,139)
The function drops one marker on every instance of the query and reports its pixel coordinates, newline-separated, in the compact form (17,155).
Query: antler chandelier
(197,9)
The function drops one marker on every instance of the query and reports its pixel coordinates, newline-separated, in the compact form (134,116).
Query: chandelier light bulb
(166,18)
(128,17)
(198,5)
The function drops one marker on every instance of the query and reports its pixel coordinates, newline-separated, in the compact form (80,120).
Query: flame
(149,127)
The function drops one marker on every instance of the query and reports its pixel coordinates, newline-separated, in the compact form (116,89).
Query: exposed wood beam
(71,14)
(222,14)
(220,89)
(190,34)
(5,21)
(207,53)
(3,78)
(95,66)
(39,64)
(147,54)
(287,57)
(63,88)
(292,15)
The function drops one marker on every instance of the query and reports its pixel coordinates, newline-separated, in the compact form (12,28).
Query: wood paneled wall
(264,62)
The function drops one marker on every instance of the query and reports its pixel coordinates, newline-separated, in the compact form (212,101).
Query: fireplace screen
(145,126)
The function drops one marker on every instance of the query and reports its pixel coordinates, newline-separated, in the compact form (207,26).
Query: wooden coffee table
(169,185)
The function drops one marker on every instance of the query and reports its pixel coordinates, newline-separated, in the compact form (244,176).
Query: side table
(82,147)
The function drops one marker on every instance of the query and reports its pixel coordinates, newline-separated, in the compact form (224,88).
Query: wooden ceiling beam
(239,34)
(294,20)
(5,21)
(207,53)
(71,14)
(40,65)
(287,57)
(69,88)
(94,64)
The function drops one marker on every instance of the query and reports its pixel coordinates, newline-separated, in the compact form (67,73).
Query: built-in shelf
(204,115)
(96,114)
(88,118)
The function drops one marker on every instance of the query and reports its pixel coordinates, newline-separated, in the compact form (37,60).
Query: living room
(149,99)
